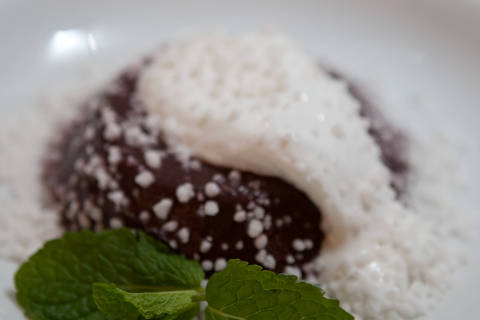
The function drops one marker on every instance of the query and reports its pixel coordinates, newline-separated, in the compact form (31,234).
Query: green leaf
(243,291)
(112,303)
(151,305)
(56,282)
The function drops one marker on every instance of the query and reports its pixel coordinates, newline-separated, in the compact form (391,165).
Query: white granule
(144,216)
(84,221)
(240,216)
(153,158)
(108,115)
(239,245)
(103,178)
(185,192)
(299,245)
(234,176)
(89,133)
(218,177)
(173,244)
(144,179)
(266,259)
(294,271)
(136,137)
(288,118)
(270,262)
(255,228)
(117,197)
(205,246)
(220,264)
(261,241)
(211,208)
(184,235)
(194,165)
(114,155)
(162,208)
(112,131)
(259,212)
(207,265)
(267,222)
(116,223)
(170,226)
(212,189)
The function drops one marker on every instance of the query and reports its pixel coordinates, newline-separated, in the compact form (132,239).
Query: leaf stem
(225,315)
(201,296)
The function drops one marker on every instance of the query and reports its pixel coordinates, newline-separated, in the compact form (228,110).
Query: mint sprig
(243,291)
(56,282)
(167,304)
(119,274)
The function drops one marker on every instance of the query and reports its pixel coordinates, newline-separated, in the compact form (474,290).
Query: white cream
(256,102)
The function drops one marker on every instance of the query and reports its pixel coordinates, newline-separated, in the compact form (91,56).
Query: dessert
(115,167)
(243,147)
(112,169)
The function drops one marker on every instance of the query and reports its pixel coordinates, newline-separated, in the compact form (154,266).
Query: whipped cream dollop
(256,102)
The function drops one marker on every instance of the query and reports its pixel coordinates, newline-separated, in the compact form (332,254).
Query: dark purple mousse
(112,167)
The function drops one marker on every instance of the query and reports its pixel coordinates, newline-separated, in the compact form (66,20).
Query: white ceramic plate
(420,58)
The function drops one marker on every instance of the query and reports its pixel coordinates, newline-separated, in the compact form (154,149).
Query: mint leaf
(119,274)
(113,304)
(245,292)
(56,282)
(121,304)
